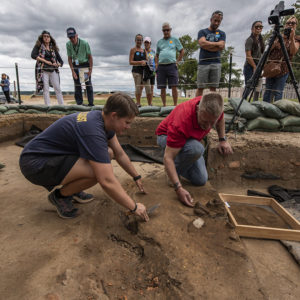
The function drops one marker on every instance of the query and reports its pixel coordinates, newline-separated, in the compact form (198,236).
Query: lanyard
(76,51)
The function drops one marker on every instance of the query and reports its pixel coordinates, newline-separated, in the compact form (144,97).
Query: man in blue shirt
(5,86)
(166,63)
(212,42)
(75,152)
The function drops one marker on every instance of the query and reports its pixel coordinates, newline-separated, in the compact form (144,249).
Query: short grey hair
(166,24)
(212,103)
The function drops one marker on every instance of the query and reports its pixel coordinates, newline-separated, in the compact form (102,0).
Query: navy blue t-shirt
(81,134)
(209,57)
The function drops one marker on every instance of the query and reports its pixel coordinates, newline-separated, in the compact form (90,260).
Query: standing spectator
(254,47)
(275,85)
(5,87)
(151,63)
(166,63)
(212,42)
(48,60)
(80,56)
(137,58)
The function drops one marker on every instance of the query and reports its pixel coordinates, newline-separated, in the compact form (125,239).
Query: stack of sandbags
(291,122)
(165,110)
(33,109)
(10,109)
(149,111)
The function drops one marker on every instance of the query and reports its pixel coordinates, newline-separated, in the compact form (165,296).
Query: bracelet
(177,185)
(133,210)
(135,178)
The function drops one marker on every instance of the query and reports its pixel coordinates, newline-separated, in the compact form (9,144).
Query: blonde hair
(292,18)
(212,103)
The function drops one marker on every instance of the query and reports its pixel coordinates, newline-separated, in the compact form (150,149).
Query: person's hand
(55,65)
(292,34)
(225,148)
(144,62)
(142,212)
(90,73)
(140,186)
(185,197)
(74,75)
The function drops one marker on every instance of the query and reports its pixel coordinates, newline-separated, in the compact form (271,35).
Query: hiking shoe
(64,206)
(83,197)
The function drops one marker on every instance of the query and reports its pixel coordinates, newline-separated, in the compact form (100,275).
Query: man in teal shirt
(166,63)
(80,57)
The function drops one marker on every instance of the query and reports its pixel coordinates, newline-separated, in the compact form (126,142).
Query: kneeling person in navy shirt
(75,152)
(180,134)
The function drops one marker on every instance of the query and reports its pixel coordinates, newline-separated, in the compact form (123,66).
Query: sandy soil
(103,254)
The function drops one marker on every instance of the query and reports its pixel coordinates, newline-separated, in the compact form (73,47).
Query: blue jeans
(275,87)
(189,161)
(248,72)
(78,90)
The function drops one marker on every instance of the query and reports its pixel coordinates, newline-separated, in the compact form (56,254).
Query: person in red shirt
(180,134)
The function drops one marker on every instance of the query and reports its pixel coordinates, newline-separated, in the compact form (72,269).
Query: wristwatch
(222,139)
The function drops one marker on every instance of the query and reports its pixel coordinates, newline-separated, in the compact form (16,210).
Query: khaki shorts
(139,83)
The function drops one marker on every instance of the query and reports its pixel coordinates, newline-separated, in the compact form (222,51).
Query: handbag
(272,69)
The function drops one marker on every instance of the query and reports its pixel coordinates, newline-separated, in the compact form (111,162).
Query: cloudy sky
(110,27)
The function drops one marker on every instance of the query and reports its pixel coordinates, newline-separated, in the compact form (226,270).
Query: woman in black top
(138,59)
(254,47)
(48,60)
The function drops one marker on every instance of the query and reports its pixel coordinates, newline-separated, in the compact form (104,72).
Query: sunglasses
(166,30)
(259,27)
(139,40)
(291,23)
(46,36)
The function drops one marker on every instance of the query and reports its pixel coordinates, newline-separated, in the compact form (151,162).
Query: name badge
(76,62)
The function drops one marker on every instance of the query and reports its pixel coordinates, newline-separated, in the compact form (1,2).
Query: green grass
(156,101)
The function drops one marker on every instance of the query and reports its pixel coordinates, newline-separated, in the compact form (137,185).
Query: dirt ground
(103,254)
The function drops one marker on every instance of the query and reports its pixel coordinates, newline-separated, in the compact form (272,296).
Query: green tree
(225,71)
(188,68)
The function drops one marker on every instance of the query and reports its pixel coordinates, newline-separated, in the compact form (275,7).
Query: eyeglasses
(291,23)
(166,30)
(146,42)
(139,40)
(46,36)
(217,12)
(259,27)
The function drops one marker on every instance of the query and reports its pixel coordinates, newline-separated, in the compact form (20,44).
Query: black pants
(78,90)
(6,93)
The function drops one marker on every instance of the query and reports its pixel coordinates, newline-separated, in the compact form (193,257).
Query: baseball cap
(147,39)
(71,32)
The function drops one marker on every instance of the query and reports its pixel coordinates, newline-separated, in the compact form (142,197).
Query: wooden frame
(292,234)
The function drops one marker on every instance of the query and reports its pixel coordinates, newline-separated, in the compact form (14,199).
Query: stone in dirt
(198,223)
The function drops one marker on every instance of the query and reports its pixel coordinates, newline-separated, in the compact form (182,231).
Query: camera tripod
(252,82)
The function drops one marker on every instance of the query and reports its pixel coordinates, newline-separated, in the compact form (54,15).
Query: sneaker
(64,206)
(83,197)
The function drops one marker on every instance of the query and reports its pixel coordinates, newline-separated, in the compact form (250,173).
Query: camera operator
(275,85)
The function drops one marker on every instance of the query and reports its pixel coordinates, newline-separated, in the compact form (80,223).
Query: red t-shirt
(181,124)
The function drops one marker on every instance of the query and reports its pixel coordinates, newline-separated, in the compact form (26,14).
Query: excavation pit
(166,258)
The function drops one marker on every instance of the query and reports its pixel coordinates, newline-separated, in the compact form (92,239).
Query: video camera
(278,12)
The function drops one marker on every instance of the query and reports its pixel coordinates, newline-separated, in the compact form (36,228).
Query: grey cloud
(110,27)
